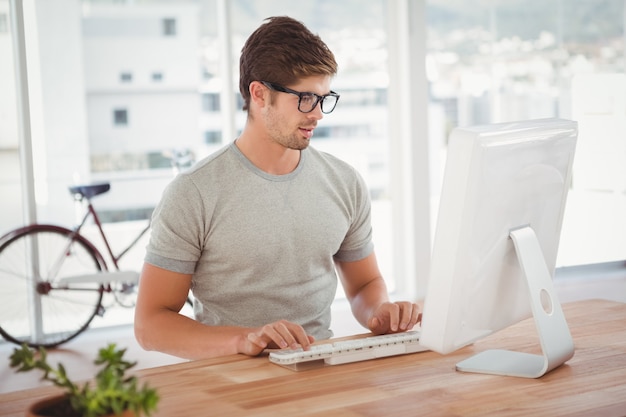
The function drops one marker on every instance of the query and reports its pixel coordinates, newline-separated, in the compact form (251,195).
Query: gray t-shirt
(260,246)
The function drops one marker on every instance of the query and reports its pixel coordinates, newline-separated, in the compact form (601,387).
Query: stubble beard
(293,140)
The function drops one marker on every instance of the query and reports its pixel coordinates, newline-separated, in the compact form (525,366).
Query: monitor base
(556,341)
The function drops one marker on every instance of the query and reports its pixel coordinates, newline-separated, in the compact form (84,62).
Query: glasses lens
(329,103)
(307,102)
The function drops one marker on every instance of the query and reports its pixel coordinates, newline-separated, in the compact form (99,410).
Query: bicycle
(52,278)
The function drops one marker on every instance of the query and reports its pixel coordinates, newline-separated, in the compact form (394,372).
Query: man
(259,229)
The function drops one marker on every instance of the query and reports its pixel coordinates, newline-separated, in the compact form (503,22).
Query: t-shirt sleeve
(177,228)
(358,243)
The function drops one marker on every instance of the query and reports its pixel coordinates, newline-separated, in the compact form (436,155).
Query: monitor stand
(556,341)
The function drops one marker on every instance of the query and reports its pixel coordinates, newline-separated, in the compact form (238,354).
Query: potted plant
(112,393)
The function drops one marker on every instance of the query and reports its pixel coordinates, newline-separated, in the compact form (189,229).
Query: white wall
(156,121)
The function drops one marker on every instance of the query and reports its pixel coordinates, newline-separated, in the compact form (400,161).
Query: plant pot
(59,406)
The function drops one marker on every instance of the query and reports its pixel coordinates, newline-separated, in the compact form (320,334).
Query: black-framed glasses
(307,101)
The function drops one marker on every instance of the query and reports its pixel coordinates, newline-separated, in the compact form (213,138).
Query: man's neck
(268,155)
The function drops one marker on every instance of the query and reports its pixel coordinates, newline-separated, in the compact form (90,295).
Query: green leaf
(113,392)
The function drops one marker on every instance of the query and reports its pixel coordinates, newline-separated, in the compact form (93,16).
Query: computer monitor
(496,242)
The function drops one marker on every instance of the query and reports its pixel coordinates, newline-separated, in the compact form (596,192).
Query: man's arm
(160,327)
(366,291)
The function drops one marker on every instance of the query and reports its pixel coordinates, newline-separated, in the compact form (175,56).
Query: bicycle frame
(91,212)
(106,276)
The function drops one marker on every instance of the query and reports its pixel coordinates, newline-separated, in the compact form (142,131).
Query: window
(157,77)
(126,77)
(486,61)
(363,97)
(169,27)
(210,102)
(120,117)
(239,101)
(212,137)
(4,23)
(503,61)
(322,132)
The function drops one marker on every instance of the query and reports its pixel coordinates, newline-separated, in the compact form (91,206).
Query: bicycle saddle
(89,191)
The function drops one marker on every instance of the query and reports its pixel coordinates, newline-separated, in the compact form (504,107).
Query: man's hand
(278,335)
(394,317)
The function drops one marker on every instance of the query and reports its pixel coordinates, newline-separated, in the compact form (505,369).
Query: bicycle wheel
(43,300)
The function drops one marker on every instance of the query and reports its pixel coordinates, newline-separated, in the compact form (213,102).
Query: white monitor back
(497,178)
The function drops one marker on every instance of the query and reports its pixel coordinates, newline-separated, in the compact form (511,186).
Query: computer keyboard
(345,351)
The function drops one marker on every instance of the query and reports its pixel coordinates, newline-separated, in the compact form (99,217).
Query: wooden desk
(593,382)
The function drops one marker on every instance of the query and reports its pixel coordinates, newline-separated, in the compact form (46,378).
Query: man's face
(284,123)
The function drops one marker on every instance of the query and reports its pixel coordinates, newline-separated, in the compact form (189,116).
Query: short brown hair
(281,51)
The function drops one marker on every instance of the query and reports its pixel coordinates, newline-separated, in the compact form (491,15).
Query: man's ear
(259,94)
